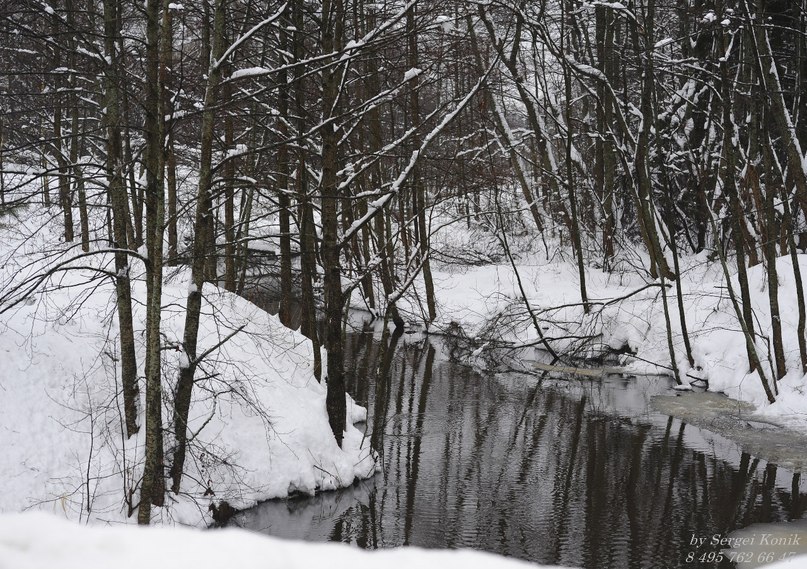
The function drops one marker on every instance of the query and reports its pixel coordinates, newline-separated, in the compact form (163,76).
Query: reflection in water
(565,472)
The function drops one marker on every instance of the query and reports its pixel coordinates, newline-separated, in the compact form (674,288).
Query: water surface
(577,472)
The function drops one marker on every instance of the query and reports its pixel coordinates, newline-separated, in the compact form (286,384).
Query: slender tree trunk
(245,216)
(730,152)
(770,234)
(308,245)
(419,204)
(45,178)
(605,163)
(201,251)
(773,286)
(65,197)
(167,70)
(794,259)
(171,184)
(766,66)
(753,357)
(75,169)
(117,198)
(386,251)
(644,182)
(668,328)
(679,293)
(575,225)
(285,188)
(229,203)
(136,191)
(333,14)
(152,489)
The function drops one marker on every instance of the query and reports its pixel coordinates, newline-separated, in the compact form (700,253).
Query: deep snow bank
(258,420)
(38,541)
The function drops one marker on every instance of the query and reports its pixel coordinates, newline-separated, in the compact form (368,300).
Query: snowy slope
(258,412)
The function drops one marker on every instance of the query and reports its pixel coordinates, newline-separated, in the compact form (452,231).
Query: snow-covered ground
(258,416)
(40,541)
(485,301)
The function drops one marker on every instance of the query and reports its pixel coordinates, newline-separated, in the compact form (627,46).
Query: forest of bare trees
(351,131)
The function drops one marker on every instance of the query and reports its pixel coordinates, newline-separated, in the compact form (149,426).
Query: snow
(183,361)
(587,69)
(612,5)
(236,151)
(485,301)
(446,23)
(662,43)
(38,541)
(354,44)
(412,73)
(250,72)
(258,414)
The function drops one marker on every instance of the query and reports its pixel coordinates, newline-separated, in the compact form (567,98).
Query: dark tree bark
(201,250)
(167,71)
(332,39)
(117,198)
(65,195)
(285,188)
(419,204)
(570,181)
(152,489)
(308,236)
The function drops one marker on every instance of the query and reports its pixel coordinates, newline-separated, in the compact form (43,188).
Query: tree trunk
(644,183)
(331,41)
(419,204)
(575,225)
(152,489)
(794,259)
(76,172)
(605,163)
(201,251)
(285,188)
(308,236)
(166,70)
(65,197)
(117,198)
(766,66)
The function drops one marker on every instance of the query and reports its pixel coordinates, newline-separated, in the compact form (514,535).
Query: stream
(568,471)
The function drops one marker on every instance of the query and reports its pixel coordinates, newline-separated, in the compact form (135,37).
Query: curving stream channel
(565,471)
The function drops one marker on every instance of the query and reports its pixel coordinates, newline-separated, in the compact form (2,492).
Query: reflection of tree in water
(531,472)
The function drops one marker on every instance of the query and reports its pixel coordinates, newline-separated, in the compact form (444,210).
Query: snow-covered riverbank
(485,301)
(258,419)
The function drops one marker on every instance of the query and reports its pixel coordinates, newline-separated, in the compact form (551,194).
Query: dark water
(568,472)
